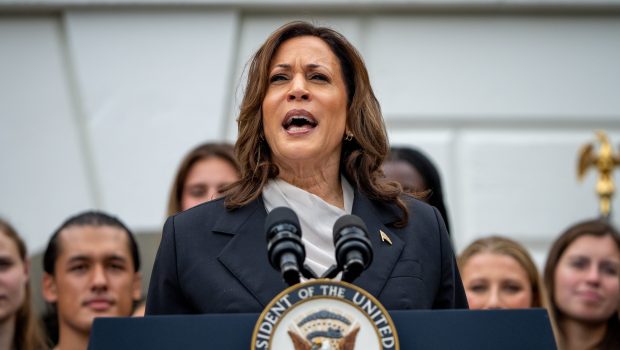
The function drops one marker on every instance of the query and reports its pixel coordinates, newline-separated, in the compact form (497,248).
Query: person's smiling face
(587,279)
(305,107)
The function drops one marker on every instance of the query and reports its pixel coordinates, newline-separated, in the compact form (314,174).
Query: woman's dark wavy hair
(361,158)
(597,228)
(429,172)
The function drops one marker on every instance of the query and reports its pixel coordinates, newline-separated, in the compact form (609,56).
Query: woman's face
(13,278)
(305,108)
(496,281)
(587,282)
(205,180)
(405,174)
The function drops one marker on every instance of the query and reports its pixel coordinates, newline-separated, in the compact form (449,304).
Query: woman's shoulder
(206,207)
(417,206)
(198,218)
(418,211)
(422,216)
(211,214)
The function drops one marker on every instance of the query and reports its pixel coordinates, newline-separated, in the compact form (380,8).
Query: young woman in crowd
(18,324)
(582,276)
(201,175)
(498,273)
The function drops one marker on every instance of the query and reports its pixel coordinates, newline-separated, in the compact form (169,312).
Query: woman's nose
(298,89)
(493,302)
(593,276)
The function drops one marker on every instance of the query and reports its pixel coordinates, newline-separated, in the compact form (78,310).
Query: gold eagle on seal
(324,330)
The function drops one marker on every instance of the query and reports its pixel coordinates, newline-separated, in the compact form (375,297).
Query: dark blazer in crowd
(215,261)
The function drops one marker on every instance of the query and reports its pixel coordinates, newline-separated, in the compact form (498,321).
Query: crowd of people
(325,160)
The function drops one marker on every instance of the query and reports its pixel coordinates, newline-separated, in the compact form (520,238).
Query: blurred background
(100,100)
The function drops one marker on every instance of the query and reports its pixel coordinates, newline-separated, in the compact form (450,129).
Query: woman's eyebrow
(309,65)
(283,65)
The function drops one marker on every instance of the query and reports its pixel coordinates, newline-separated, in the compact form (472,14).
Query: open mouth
(299,120)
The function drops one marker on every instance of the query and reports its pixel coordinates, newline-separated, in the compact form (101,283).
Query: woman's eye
(513,288)
(609,269)
(197,191)
(277,77)
(320,77)
(5,264)
(478,288)
(579,263)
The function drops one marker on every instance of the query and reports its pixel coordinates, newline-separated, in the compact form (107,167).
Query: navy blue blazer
(212,260)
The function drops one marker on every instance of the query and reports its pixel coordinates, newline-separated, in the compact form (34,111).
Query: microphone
(284,246)
(353,248)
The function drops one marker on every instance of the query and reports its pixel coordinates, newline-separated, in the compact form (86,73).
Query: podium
(423,329)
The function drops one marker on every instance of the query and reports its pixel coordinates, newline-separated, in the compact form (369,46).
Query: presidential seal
(324,314)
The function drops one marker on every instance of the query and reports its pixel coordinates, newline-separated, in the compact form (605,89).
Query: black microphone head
(352,247)
(285,249)
(279,216)
(348,221)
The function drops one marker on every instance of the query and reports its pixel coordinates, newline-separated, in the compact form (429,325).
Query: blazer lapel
(245,256)
(385,255)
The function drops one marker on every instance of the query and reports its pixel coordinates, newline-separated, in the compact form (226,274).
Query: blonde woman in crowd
(18,324)
(582,276)
(498,273)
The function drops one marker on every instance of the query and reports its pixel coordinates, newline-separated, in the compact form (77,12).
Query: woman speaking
(311,138)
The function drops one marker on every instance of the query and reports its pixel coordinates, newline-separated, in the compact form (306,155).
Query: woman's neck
(580,335)
(7,333)
(321,180)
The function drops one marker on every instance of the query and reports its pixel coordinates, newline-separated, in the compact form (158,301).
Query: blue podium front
(424,329)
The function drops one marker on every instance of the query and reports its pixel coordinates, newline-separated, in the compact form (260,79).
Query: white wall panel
(500,67)
(523,184)
(154,84)
(43,176)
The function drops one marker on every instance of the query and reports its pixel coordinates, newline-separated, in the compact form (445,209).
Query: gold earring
(348,137)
